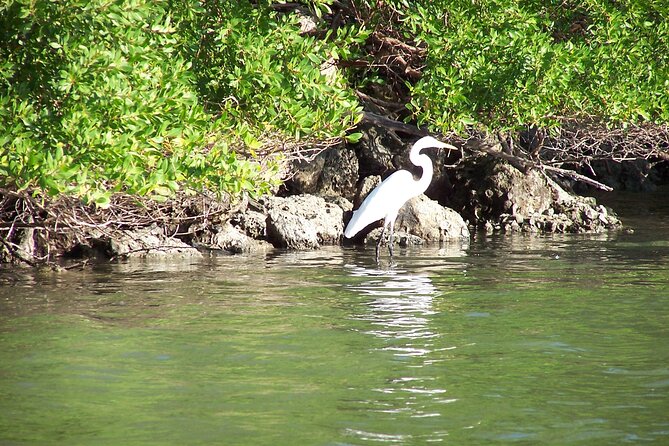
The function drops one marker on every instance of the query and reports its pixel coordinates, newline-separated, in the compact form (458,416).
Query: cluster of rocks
(308,221)
(484,193)
(317,201)
(498,197)
(295,222)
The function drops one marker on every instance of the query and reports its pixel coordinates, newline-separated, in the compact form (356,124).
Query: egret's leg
(378,242)
(391,244)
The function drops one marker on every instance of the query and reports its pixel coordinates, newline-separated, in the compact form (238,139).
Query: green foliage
(503,63)
(103,96)
(260,71)
(150,97)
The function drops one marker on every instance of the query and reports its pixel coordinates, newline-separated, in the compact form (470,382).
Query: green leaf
(354,137)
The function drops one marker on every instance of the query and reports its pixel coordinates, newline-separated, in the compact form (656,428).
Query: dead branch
(382,121)
(388,106)
(70,217)
(580,143)
(524,164)
(575,176)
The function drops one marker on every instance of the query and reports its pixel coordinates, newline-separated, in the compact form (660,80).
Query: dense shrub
(101,96)
(150,97)
(502,64)
(258,68)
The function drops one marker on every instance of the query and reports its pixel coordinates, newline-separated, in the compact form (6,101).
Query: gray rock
(430,221)
(332,173)
(343,203)
(378,150)
(366,186)
(303,222)
(231,239)
(146,242)
(340,174)
(253,223)
(304,175)
(422,220)
(497,196)
(401,238)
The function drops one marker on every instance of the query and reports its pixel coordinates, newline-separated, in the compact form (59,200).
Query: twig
(524,164)
(15,252)
(576,176)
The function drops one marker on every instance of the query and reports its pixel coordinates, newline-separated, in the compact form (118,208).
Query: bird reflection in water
(399,306)
(401,303)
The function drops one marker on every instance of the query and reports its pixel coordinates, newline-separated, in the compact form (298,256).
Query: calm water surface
(509,340)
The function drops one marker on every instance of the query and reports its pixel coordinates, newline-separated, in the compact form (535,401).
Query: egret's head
(429,141)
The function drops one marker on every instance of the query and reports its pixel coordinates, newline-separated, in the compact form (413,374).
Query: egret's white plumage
(385,201)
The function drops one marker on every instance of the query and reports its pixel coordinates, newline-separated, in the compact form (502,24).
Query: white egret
(385,201)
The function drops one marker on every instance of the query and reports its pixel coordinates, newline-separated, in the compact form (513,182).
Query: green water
(509,340)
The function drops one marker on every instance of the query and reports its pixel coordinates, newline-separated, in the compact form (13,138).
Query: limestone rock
(377,151)
(366,186)
(339,175)
(422,220)
(498,196)
(145,242)
(231,239)
(304,175)
(332,173)
(430,221)
(252,223)
(303,222)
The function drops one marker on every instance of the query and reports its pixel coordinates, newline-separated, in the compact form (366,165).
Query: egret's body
(385,201)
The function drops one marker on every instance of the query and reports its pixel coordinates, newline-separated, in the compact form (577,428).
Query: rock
(332,173)
(303,222)
(633,175)
(340,174)
(377,151)
(401,238)
(304,175)
(228,238)
(430,221)
(580,214)
(366,186)
(343,203)
(494,194)
(144,242)
(421,221)
(252,223)
(522,194)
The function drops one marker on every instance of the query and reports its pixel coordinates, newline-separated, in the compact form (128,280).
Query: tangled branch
(32,226)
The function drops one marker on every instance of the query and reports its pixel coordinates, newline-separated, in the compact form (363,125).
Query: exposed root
(37,230)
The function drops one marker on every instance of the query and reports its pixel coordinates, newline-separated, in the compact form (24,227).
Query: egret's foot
(391,242)
(378,244)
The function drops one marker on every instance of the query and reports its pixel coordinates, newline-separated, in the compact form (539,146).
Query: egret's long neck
(424,161)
